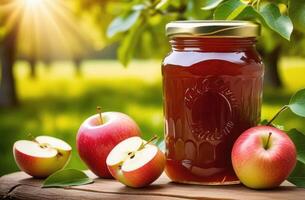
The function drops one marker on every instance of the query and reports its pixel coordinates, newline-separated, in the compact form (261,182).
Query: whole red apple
(263,157)
(99,134)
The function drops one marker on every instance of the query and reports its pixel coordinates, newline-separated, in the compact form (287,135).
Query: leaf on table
(123,22)
(229,10)
(298,139)
(297,103)
(297,177)
(67,177)
(271,16)
(210,4)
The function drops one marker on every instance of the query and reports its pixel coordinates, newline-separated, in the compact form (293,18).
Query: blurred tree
(141,26)
(8,96)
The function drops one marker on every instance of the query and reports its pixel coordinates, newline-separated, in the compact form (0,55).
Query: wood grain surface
(21,186)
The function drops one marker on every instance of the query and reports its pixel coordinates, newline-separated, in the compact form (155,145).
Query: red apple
(263,157)
(42,157)
(99,134)
(135,163)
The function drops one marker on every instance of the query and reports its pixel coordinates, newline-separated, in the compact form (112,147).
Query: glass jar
(212,90)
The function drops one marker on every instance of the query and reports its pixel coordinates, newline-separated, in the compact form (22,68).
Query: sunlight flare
(32,3)
(46,29)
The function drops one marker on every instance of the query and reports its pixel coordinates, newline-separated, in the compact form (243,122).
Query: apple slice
(135,163)
(41,157)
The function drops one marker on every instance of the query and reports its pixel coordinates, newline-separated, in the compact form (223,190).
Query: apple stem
(34,139)
(151,140)
(268,139)
(132,154)
(277,114)
(99,111)
(31,137)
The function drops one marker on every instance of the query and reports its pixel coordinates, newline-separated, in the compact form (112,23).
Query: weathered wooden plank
(21,186)
(27,192)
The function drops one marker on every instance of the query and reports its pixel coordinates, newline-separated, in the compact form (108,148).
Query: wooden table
(21,186)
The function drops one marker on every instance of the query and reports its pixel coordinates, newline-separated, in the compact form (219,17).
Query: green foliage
(279,23)
(123,23)
(210,4)
(128,46)
(268,14)
(67,177)
(230,10)
(273,15)
(297,103)
(297,177)
(298,139)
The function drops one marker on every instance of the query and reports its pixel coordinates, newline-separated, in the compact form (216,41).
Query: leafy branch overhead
(269,14)
(143,17)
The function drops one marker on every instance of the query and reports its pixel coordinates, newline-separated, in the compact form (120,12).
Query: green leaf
(298,139)
(297,177)
(129,43)
(297,14)
(229,10)
(67,177)
(297,103)
(210,4)
(272,17)
(123,23)
(249,13)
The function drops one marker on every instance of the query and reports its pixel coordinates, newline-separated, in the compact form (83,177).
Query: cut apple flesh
(130,154)
(123,150)
(34,149)
(44,147)
(140,158)
(53,143)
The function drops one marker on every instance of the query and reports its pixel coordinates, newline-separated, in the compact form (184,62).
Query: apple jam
(212,90)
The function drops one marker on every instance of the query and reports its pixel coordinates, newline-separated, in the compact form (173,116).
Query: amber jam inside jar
(212,88)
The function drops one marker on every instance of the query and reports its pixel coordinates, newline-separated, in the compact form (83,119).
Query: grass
(57,101)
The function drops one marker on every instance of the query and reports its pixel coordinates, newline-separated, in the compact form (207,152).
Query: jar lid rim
(213,28)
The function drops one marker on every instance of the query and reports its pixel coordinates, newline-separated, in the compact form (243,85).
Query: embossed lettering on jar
(212,88)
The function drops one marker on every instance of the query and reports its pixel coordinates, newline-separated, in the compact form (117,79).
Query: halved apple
(135,163)
(41,157)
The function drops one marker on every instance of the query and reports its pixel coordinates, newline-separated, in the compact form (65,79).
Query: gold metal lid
(212,28)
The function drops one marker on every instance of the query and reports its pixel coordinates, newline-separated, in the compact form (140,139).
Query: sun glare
(32,3)
(47,29)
